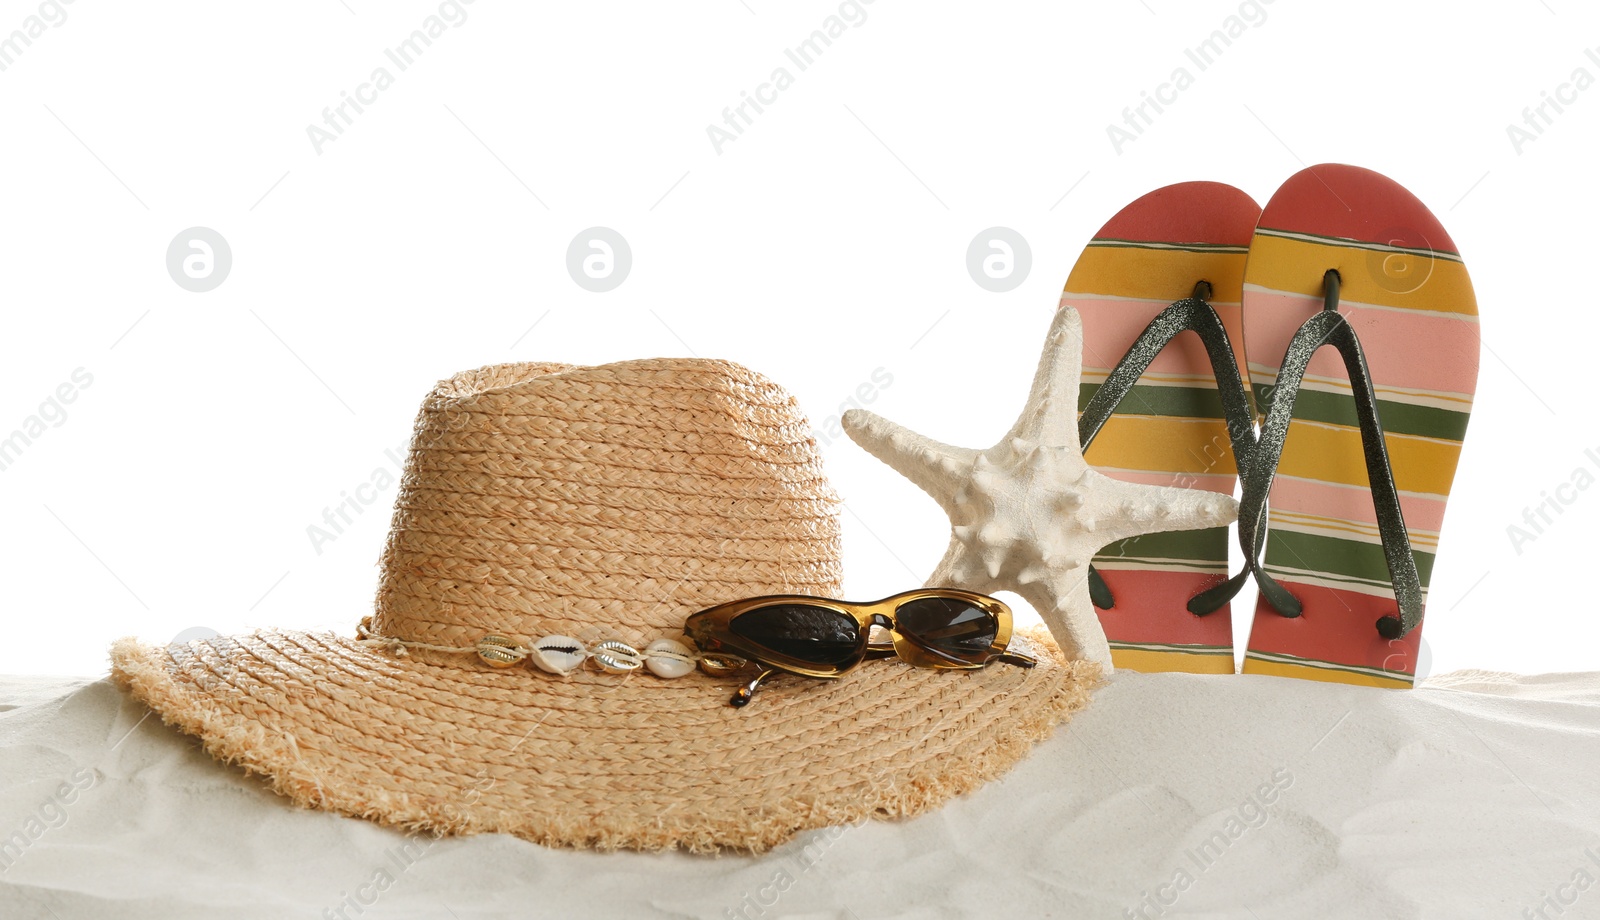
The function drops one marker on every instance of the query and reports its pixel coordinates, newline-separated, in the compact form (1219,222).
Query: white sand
(1475,796)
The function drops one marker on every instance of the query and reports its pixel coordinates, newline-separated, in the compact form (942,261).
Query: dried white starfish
(1028,514)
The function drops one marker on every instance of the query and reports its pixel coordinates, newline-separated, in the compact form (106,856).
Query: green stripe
(1152,563)
(1337,556)
(1111,242)
(1209,545)
(1396,417)
(1174,401)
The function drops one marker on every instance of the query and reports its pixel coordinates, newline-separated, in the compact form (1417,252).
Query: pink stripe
(1415,350)
(1211,481)
(1110,328)
(1347,504)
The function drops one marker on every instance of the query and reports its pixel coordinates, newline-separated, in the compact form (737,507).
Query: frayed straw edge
(236,740)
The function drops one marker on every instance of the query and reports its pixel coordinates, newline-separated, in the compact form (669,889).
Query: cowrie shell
(720,665)
(616,657)
(668,658)
(558,654)
(498,651)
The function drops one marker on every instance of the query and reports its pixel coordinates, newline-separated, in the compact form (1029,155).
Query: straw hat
(597,503)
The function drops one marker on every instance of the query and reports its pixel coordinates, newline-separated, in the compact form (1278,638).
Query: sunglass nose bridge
(882,619)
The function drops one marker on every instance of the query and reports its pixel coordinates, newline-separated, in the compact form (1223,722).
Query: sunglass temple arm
(1018,659)
(744,694)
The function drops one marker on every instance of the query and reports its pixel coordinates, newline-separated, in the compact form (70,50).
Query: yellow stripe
(1459,402)
(1326,675)
(1159,444)
(1404,280)
(1362,532)
(1332,453)
(1145,564)
(1267,375)
(1132,659)
(1099,375)
(1319,579)
(1316,523)
(1156,274)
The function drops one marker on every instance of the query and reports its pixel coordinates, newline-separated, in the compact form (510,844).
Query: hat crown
(602,502)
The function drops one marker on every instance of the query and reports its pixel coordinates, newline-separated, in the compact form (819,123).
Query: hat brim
(593,759)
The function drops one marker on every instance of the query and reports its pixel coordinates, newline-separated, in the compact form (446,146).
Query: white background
(827,241)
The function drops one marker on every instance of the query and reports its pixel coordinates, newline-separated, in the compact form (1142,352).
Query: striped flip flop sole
(1169,429)
(1406,293)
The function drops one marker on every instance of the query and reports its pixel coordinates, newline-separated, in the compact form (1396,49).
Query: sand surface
(1476,795)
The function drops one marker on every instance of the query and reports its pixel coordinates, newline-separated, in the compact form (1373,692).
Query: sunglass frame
(711,630)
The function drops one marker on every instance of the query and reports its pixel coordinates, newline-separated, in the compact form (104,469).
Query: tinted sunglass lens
(948,625)
(812,634)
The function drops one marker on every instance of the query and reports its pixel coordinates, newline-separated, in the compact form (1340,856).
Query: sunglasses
(818,637)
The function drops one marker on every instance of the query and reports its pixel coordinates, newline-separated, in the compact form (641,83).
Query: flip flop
(1359,441)
(1169,428)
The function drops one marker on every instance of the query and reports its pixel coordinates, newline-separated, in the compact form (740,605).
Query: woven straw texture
(599,502)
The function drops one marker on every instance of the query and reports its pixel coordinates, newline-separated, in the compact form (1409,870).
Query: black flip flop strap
(1330,328)
(1188,315)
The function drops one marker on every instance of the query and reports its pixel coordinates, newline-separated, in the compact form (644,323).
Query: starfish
(1029,514)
